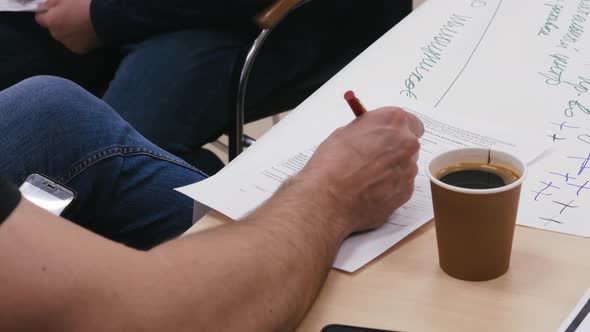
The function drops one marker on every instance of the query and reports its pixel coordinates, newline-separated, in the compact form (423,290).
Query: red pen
(354,103)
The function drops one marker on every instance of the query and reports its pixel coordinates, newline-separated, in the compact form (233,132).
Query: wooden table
(405,289)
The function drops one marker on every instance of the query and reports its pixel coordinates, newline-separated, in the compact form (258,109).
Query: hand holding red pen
(367,167)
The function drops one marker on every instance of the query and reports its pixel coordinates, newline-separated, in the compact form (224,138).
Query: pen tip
(349,95)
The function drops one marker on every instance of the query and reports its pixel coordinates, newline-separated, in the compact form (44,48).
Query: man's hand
(368,167)
(69,22)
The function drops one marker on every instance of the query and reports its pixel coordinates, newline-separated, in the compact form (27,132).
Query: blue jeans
(124,183)
(177,88)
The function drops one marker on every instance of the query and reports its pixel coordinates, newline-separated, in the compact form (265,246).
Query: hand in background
(368,167)
(69,22)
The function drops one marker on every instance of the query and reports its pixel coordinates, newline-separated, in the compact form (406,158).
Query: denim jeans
(124,183)
(177,88)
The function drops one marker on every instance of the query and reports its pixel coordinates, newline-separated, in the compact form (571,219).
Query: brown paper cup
(475,227)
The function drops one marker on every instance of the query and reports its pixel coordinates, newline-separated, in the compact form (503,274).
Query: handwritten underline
(472,53)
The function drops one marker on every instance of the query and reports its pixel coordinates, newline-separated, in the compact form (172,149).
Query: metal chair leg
(236,130)
(237,134)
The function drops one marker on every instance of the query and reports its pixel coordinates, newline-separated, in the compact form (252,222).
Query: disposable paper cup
(475,227)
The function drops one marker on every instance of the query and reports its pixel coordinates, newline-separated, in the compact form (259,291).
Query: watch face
(47,194)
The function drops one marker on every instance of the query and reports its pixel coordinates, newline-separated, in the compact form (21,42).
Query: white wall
(417,3)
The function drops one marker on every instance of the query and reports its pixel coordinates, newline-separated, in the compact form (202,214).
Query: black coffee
(477,176)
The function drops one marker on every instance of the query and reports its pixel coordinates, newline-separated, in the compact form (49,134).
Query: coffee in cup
(477,175)
(475,194)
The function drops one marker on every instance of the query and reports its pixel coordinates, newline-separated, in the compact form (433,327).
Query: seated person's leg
(124,182)
(29,50)
(175,88)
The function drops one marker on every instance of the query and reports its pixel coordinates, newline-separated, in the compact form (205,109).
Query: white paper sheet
(579,319)
(556,195)
(19,5)
(239,189)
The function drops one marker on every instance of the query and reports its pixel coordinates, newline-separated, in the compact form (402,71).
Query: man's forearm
(260,274)
(266,270)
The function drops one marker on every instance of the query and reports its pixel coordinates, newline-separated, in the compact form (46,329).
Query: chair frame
(236,137)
